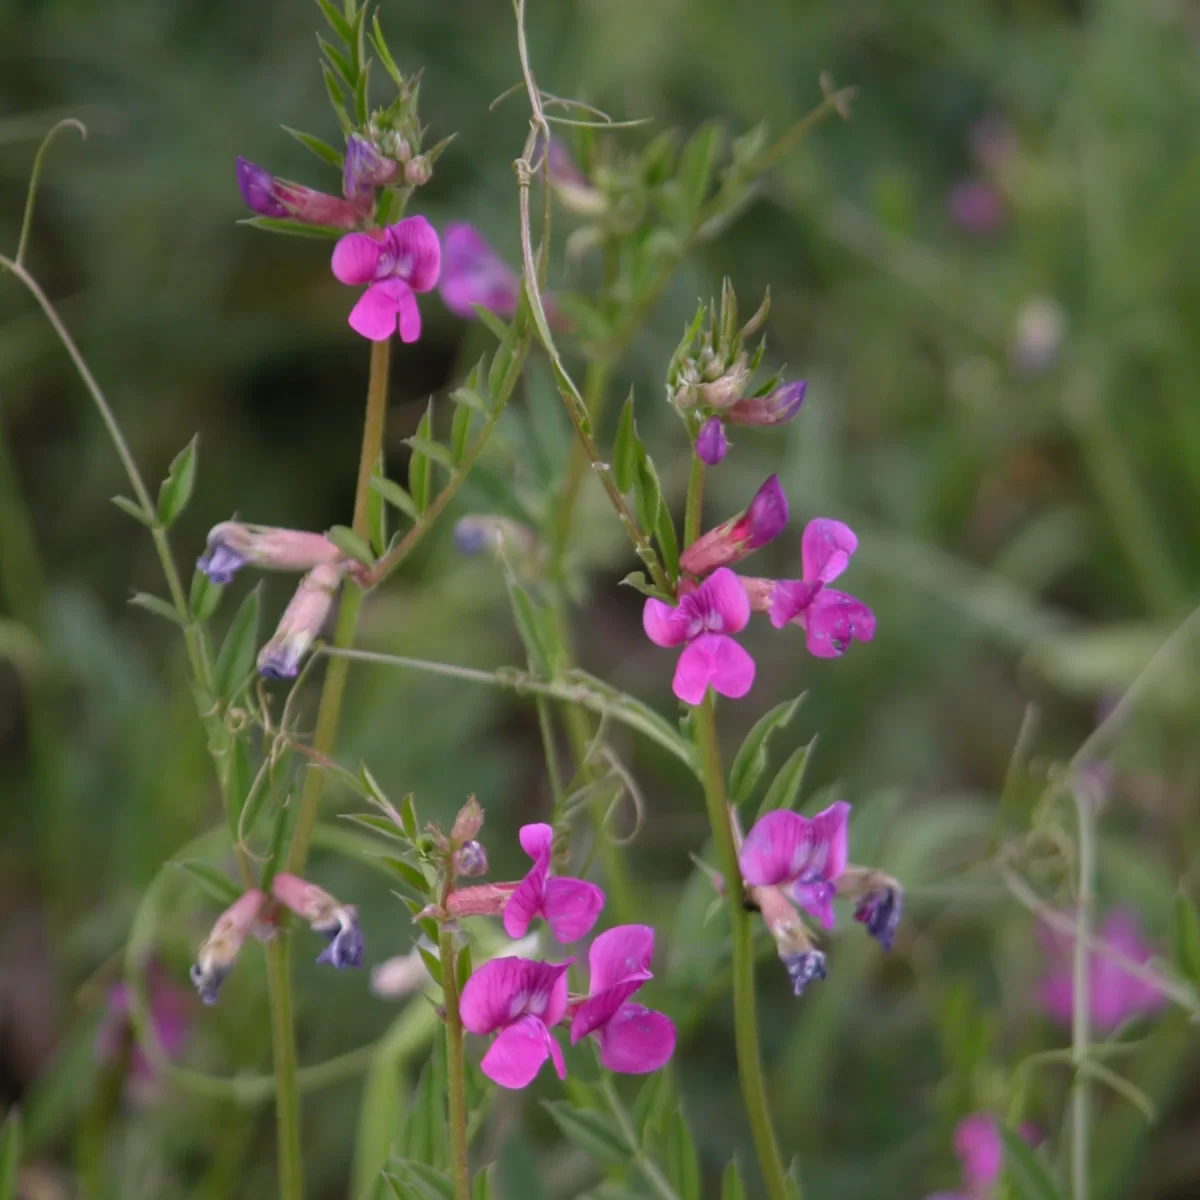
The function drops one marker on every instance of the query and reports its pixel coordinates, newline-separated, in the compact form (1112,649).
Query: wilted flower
(396,262)
(474,274)
(704,619)
(633,1040)
(802,961)
(880,912)
(302,621)
(830,618)
(775,408)
(337,923)
(232,545)
(802,857)
(271,197)
(569,906)
(764,520)
(219,952)
(521,1000)
(1114,995)
(711,443)
(365,169)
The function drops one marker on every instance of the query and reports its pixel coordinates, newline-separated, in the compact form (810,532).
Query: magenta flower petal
(825,549)
(636,1041)
(978,1146)
(664,625)
(418,253)
(789,598)
(714,659)
(620,954)
(777,849)
(817,900)
(720,603)
(526,902)
(767,516)
(381,307)
(833,620)
(831,840)
(711,442)
(515,1057)
(571,907)
(505,988)
(537,840)
(356,258)
(257,186)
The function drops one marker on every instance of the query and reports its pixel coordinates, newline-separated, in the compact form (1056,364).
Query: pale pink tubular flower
(633,1040)
(337,923)
(233,545)
(395,262)
(268,196)
(474,274)
(701,622)
(1114,996)
(764,519)
(830,618)
(802,857)
(219,952)
(521,1000)
(570,906)
(302,622)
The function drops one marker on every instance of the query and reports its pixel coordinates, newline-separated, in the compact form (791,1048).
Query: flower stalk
(455,1071)
(1081,1014)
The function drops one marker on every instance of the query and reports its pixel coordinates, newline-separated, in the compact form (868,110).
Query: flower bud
(765,519)
(471,860)
(271,197)
(418,171)
(365,169)
(302,621)
(775,408)
(725,388)
(711,442)
(486,900)
(232,545)
(468,823)
(257,186)
(220,950)
(338,923)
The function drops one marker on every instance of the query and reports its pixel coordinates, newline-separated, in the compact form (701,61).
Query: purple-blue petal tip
(788,400)
(880,913)
(220,563)
(345,947)
(208,983)
(803,968)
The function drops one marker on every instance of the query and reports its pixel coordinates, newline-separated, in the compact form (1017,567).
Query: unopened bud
(468,823)
(775,408)
(711,442)
(765,519)
(269,196)
(418,171)
(365,169)
(725,388)
(471,860)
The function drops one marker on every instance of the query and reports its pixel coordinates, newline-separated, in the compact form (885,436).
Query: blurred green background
(990,279)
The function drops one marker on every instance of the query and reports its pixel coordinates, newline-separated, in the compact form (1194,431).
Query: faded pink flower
(337,923)
(830,618)
(474,274)
(302,621)
(220,950)
(395,262)
(1114,995)
(704,619)
(233,544)
(765,518)
(170,1015)
(976,207)
(570,906)
(802,857)
(633,1040)
(520,1000)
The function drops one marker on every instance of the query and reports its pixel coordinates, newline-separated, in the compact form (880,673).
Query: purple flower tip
(361,164)
(471,859)
(775,408)
(345,947)
(767,516)
(283,662)
(208,983)
(473,535)
(880,913)
(220,563)
(711,442)
(257,188)
(803,968)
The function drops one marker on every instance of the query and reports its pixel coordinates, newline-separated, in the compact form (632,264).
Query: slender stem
(35,176)
(745,1017)
(455,1071)
(595,392)
(1081,1013)
(649,1169)
(329,711)
(695,501)
(287,1094)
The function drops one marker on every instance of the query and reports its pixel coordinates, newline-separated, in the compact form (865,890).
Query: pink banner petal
(418,253)
(571,907)
(356,258)
(825,549)
(637,1041)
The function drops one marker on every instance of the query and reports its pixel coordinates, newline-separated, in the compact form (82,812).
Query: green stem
(695,501)
(745,1017)
(329,711)
(595,392)
(1081,1013)
(455,1071)
(287,1092)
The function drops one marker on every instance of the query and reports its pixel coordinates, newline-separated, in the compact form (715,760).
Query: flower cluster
(708,613)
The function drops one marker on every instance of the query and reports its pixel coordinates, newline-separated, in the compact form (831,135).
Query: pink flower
(703,619)
(1114,995)
(268,196)
(802,857)
(633,1040)
(302,621)
(232,544)
(569,906)
(764,519)
(775,408)
(979,1148)
(475,274)
(830,618)
(337,923)
(219,952)
(170,1015)
(522,1000)
(396,262)
(976,207)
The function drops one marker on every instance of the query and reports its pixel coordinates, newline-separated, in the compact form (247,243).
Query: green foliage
(176,489)
(751,760)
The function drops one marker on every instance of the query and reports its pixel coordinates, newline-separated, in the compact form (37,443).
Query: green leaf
(683,1165)
(505,356)
(696,165)
(498,327)
(751,760)
(236,658)
(412,875)
(130,509)
(361,92)
(732,1187)
(654,1102)
(664,531)
(396,496)
(517,1172)
(432,964)
(432,450)
(159,607)
(383,53)
(337,22)
(1185,937)
(400,1188)
(625,449)
(323,150)
(462,968)
(785,787)
(532,626)
(238,775)
(204,596)
(483,1187)
(350,544)
(408,816)
(431,1184)
(257,797)
(337,98)
(590,1131)
(460,431)
(286,225)
(647,491)
(340,63)
(419,475)
(176,489)
(638,581)
(377,523)
(1022,1168)
(10,1154)
(213,881)
(417,1132)
(380,825)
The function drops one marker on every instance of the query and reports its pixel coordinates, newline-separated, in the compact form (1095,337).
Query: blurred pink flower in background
(976,207)
(170,1015)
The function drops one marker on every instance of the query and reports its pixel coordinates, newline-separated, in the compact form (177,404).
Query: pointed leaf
(176,489)
(483,1186)
(683,1166)
(236,659)
(625,449)
(785,787)
(130,509)
(337,98)
(751,760)
(647,492)
(590,1131)
(213,881)
(732,1187)
(350,544)
(532,625)
(292,228)
(377,522)
(204,596)
(1025,1171)
(337,22)
(383,53)
(418,468)
(1185,938)
(462,968)
(340,63)
(432,964)
(432,450)
(664,531)
(396,496)
(159,607)
(408,816)
(323,150)
(411,875)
